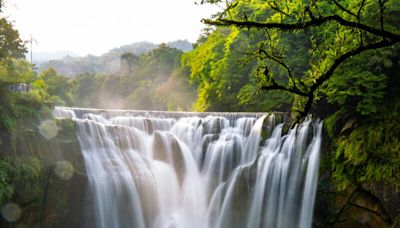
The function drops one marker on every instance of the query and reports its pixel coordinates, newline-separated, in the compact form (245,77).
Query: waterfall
(194,170)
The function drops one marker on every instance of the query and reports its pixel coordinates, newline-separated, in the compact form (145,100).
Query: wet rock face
(389,196)
(214,126)
(57,197)
(371,205)
(167,149)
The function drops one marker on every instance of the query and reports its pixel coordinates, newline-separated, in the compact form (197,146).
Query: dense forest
(109,62)
(338,60)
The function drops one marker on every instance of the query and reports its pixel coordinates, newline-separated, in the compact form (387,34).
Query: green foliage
(14,105)
(371,152)
(11,45)
(359,85)
(107,63)
(141,96)
(20,172)
(176,92)
(225,75)
(305,42)
(364,127)
(266,101)
(345,62)
(58,87)
(15,71)
(142,82)
(128,60)
(25,170)
(85,90)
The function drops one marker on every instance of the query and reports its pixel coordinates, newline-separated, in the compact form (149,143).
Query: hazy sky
(95,26)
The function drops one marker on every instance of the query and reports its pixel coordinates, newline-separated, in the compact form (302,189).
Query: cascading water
(214,171)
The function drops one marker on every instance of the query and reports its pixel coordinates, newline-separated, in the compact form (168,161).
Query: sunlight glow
(64,170)
(95,26)
(48,129)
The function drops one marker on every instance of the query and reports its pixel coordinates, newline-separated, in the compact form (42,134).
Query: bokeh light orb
(48,129)
(64,170)
(11,212)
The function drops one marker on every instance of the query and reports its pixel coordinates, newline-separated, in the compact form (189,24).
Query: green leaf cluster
(11,45)
(371,152)
(364,126)
(225,73)
(27,170)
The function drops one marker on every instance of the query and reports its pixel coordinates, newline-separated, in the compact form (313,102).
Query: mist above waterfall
(149,81)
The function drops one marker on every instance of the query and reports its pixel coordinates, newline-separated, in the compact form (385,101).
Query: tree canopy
(334,31)
(11,45)
(336,59)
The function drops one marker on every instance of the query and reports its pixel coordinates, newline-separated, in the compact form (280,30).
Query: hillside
(108,62)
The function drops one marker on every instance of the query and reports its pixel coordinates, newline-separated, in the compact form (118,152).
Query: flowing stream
(149,169)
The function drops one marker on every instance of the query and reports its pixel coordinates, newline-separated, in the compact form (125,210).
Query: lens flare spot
(48,129)
(11,212)
(64,170)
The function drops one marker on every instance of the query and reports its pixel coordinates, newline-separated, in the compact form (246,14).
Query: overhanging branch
(346,56)
(382,38)
(303,25)
(285,88)
(344,9)
(310,95)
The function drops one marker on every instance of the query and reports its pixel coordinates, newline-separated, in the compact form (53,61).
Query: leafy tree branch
(338,32)
(303,25)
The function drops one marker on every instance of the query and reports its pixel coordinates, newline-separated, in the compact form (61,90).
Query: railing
(20,87)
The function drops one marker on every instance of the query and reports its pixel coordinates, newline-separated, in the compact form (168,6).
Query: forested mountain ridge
(108,62)
(151,81)
(44,56)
